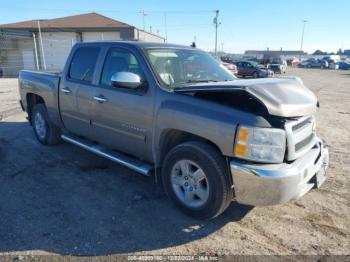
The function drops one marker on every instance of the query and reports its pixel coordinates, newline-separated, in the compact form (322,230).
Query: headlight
(260,144)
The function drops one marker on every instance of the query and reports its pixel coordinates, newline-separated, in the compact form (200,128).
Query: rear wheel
(45,131)
(195,177)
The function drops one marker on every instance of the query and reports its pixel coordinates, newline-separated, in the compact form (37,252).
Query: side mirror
(126,79)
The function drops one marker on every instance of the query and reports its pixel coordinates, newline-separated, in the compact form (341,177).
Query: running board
(134,164)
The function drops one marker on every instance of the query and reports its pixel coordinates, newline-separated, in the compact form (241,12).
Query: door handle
(66,90)
(100,99)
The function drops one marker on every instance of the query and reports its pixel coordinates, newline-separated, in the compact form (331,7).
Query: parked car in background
(293,62)
(227,64)
(231,67)
(333,61)
(227,59)
(314,63)
(344,65)
(305,63)
(278,65)
(252,69)
(333,65)
(335,58)
(319,64)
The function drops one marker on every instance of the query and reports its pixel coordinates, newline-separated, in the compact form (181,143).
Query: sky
(248,24)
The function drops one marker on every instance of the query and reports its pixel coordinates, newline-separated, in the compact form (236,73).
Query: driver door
(122,119)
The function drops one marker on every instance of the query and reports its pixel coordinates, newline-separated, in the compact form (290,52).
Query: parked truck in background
(173,112)
(278,65)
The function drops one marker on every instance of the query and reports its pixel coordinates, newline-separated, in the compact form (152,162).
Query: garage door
(28,59)
(57,46)
(100,36)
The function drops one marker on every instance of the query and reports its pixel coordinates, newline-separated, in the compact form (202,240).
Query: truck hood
(285,97)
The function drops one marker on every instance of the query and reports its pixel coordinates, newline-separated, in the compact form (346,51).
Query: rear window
(83,64)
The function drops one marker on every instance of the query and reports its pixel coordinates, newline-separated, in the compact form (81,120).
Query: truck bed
(44,84)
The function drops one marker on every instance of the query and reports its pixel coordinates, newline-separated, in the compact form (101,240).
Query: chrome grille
(300,136)
(301,124)
(303,143)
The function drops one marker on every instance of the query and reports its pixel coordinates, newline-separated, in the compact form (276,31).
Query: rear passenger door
(75,94)
(123,121)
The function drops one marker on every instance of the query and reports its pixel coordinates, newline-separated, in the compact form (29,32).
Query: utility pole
(42,47)
(165,28)
(216,24)
(302,37)
(143,13)
(36,53)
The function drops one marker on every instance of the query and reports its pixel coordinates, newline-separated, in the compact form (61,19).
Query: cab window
(119,60)
(83,64)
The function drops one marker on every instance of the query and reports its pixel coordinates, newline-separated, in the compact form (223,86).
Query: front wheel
(255,75)
(45,131)
(196,179)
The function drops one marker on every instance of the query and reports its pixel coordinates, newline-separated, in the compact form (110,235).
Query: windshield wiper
(201,81)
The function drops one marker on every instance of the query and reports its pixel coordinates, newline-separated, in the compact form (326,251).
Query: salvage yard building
(45,44)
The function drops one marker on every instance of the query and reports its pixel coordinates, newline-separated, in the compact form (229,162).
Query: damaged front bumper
(270,184)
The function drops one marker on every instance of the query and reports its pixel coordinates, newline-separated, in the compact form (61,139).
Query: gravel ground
(8,97)
(63,200)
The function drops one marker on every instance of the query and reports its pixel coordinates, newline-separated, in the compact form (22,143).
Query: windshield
(179,67)
(255,64)
(276,61)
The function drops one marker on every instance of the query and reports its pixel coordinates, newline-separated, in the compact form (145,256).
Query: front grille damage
(303,143)
(300,136)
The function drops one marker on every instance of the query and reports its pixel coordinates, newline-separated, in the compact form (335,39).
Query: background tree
(340,52)
(319,52)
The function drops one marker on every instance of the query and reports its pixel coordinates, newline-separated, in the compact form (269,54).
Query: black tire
(51,134)
(255,75)
(213,164)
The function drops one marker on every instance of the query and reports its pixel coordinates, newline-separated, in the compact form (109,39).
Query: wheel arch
(32,100)
(170,138)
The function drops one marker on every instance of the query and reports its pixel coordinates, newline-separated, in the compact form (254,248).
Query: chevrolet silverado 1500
(175,113)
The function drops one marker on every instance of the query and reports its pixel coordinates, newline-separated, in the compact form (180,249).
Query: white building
(45,44)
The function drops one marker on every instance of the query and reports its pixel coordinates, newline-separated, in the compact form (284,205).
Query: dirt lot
(8,96)
(66,201)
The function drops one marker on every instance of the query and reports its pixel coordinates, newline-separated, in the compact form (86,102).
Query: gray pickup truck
(175,113)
